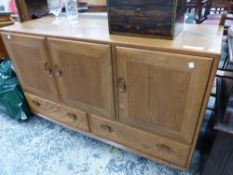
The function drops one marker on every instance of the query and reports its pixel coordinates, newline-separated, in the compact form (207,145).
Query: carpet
(40,147)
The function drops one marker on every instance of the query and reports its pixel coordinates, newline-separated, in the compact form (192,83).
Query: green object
(11,96)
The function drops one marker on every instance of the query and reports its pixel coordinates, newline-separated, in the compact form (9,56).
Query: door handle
(72,116)
(36,103)
(164,148)
(58,71)
(48,69)
(121,85)
(106,128)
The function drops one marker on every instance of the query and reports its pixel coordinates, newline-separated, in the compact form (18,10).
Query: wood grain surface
(84,75)
(151,144)
(30,57)
(201,40)
(71,117)
(163,91)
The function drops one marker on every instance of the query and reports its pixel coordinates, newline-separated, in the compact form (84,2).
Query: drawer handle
(121,85)
(58,72)
(72,116)
(164,148)
(106,127)
(48,69)
(36,103)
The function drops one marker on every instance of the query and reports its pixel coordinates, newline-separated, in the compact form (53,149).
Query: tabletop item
(71,10)
(55,8)
(6,19)
(160,18)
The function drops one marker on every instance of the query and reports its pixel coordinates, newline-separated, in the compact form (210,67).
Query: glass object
(55,8)
(72,10)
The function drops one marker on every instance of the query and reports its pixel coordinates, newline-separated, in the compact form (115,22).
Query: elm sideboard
(144,95)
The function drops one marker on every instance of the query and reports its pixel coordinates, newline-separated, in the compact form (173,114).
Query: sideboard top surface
(204,40)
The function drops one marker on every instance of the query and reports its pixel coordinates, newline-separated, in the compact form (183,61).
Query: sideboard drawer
(68,116)
(151,144)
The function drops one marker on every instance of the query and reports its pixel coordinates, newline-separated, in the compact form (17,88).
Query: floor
(39,147)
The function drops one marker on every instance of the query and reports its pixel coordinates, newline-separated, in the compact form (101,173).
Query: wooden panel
(3,53)
(161,92)
(71,117)
(84,75)
(30,58)
(144,142)
(97,8)
(204,106)
(95,2)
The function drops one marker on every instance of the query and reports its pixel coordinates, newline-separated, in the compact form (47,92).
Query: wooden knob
(36,103)
(72,116)
(106,127)
(164,148)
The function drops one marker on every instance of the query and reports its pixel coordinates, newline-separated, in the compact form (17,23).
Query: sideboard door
(161,92)
(84,75)
(32,64)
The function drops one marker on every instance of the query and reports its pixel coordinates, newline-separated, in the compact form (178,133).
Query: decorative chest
(160,18)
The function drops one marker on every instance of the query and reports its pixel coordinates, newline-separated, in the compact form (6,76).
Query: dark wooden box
(160,18)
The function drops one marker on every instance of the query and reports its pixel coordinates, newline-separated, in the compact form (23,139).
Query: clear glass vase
(55,8)
(71,10)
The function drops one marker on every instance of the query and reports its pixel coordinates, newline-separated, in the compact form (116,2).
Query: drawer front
(141,19)
(68,116)
(153,145)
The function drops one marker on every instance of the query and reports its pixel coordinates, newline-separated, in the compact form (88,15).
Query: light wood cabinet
(144,95)
(29,55)
(84,75)
(161,92)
